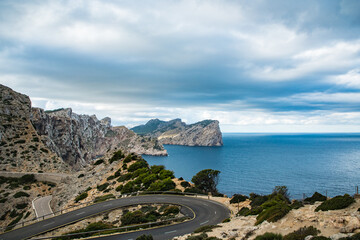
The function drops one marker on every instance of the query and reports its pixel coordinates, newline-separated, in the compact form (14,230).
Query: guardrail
(85,204)
(119,229)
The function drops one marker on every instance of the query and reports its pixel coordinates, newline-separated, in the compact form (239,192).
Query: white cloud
(351,79)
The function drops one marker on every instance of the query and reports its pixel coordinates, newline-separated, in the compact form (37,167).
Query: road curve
(42,207)
(207,212)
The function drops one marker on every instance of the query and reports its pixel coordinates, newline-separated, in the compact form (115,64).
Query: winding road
(205,212)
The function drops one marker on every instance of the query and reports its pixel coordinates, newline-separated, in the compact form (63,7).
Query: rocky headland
(176,132)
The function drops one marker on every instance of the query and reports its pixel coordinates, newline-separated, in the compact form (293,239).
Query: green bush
(238,198)
(243,211)
(162,185)
(316,197)
(27,187)
(102,187)
(226,220)
(269,236)
(28,178)
(135,217)
(20,141)
(296,204)
(145,237)
(98,162)
(110,178)
(137,165)
(21,194)
(129,188)
(128,158)
(257,200)
(171,210)
(124,177)
(202,236)
(81,175)
(338,202)
(10,226)
(13,213)
(3,200)
(148,180)
(206,228)
(117,156)
(166,174)
(185,184)
(156,168)
(81,196)
(139,171)
(273,213)
(302,233)
(21,205)
(104,198)
(119,188)
(193,190)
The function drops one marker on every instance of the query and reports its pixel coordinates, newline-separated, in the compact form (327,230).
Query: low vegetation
(316,197)
(206,228)
(338,202)
(299,234)
(238,198)
(104,198)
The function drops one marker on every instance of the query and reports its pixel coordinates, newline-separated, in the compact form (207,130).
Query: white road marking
(160,198)
(215,212)
(205,204)
(170,232)
(48,224)
(204,222)
(80,213)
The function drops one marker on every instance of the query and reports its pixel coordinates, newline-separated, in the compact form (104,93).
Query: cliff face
(32,139)
(21,148)
(80,138)
(176,132)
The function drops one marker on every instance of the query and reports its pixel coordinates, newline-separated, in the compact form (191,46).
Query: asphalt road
(42,207)
(207,212)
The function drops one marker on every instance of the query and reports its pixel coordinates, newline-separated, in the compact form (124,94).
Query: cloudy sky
(256,66)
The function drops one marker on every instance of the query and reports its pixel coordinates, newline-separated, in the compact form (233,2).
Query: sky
(256,66)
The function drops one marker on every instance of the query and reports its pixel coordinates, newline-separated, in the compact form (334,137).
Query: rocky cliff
(80,138)
(36,140)
(176,132)
(21,147)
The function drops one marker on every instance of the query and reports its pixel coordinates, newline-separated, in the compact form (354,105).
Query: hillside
(176,132)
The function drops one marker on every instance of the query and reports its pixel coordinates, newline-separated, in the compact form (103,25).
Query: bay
(305,163)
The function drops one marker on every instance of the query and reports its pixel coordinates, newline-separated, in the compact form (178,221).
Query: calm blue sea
(305,163)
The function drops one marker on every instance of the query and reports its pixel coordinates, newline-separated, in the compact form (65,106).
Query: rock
(308,237)
(176,132)
(338,236)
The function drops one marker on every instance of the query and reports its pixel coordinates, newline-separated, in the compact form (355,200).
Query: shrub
(238,198)
(137,165)
(185,184)
(117,156)
(156,168)
(162,185)
(102,187)
(316,197)
(206,228)
(283,191)
(145,237)
(129,188)
(21,205)
(27,187)
(44,150)
(104,198)
(139,171)
(98,162)
(166,174)
(81,175)
(273,213)
(226,220)
(296,204)
(10,226)
(124,177)
(338,202)
(171,210)
(28,178)
(81,196)
(3,200)
(135,217)
(257,200)
(110,178)
(302,233)
(21,194)
(202,236)
(13,213)
(119,188)
(20,141)
(128,158)
(148,180)
(193,190)
(269,236)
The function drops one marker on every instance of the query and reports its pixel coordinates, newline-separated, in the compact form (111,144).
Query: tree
(206,180)
(282,190)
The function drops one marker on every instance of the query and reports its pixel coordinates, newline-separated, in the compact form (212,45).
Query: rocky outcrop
(80,138)
(176,132)
(21,146)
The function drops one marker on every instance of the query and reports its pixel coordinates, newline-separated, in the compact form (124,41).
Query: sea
(256,163)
